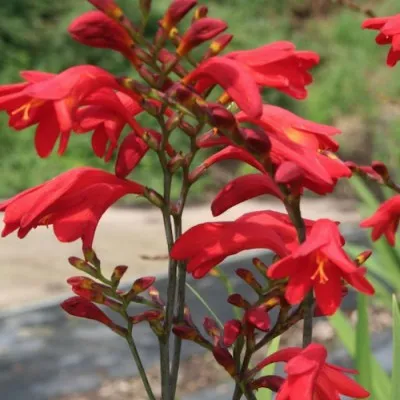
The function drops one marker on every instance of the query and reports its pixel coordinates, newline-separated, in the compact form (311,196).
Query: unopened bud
(261,267)
(154,197)
(249,278)
(200,12)
(155,296)
(272,382)
(190,333)
(224,358)
(109,7)
(218,45)
(176,163)
(91,257)
(200,31)
(151,141)
(176,11)
(256,140)
(363,257)
(117,274)
(145,7)
(237,300)
(232,330)
(381,169)
(82,265)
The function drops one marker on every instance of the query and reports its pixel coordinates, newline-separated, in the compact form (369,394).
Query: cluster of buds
(106,293)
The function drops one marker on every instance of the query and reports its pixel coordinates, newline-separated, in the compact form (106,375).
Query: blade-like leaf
(381,382)
(396,351)
(363,344)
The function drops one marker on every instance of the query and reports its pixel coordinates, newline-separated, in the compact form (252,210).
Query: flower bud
(176,163)
(186,332)
(150,315)
(237,300)
(109,7)
(91,257)
(176,11)
(381,169)
(249,278)
(200,31)
(83,308)
(261,267)
(224,358)
(117,274)
(155,296)
(271,382)
(232,330)
(258,318)
(212,329)
(363,257)
(82,265)
(145,7)
(201,12)
(154,197)
(218,45)
(256,140)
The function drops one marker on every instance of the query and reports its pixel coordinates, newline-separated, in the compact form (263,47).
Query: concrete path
(35,268)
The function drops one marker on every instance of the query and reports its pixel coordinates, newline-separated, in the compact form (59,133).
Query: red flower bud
(271,382)
(237,300)
(150,315)
(82,265)
(82,308)
(190,333)
(98,30)
(256,140)
(176,11)
(117,274)
(221,118)
(232,330)
(155,296)
(218,45)
(249,278)
(212,328)
(381,169)
(200,12)
(224,358)
(154,197)
(363,257)
(109,7)
(200,31)
(260,266)
(142,284)
(258,318)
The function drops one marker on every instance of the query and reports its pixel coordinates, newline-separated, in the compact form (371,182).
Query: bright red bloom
(96,29)
(279,65)
(308,373)
(389,33)
(200,31)
(320,263)
(231,76)
(73,203)
(51,102)
(385,221)
(207,245)
(244,188)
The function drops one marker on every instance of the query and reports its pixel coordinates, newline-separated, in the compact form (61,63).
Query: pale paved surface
(35,268)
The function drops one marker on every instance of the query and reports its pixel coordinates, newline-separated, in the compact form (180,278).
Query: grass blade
(396,351)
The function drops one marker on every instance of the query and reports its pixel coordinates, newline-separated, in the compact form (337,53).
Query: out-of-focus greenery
(352,74)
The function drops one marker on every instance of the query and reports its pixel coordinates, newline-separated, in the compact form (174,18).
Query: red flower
(230,75)
(73,203)
(389,33)
(207,245)
(244,188)
(310,374)
(279,65)
(320,263)
(385,221)
(51,102)
(98,30)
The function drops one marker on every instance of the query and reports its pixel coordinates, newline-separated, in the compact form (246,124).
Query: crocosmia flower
(310,377)
(320,263)
(385,221)
(389,33)
(73,203)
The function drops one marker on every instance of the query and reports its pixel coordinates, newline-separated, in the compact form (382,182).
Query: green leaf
(266,394)
(363,344)
(396,351)
(345,332)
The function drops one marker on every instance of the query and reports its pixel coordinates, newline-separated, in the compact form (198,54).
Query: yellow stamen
(321,262)
(25,108)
